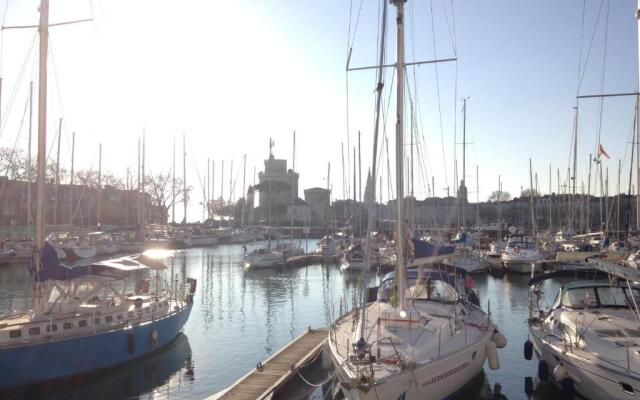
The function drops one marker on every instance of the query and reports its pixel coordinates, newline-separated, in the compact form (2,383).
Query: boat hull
(591,380)
(437,380)
(47,361)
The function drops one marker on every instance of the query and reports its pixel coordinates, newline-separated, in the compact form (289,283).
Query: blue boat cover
(51,269)
(425,249)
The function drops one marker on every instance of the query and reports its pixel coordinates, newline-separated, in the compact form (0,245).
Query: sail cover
(51,269)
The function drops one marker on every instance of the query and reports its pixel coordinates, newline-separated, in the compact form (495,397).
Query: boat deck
(277,369)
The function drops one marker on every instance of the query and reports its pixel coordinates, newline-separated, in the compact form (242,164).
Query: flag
(601,152)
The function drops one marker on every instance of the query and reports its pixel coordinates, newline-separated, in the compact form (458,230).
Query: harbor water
(240,317)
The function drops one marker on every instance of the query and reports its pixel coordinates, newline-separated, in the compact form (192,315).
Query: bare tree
(499,196)
(159,187)
(90,179)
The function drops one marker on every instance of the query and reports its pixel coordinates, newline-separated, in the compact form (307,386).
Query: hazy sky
(233,74)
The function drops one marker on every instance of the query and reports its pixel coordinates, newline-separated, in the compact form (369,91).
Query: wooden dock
(262,381)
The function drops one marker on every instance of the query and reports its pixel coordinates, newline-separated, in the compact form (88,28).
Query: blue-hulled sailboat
(91,317)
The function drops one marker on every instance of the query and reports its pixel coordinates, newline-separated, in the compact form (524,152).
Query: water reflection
(242,316)
(158,376)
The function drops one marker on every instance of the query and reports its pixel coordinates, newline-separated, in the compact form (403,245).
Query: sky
(232,75)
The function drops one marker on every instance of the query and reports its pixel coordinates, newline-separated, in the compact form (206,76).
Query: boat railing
(133,318)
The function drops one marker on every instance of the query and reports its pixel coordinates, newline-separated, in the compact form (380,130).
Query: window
(67,325)
(119,316)
(108,318)
(52,328)
(130,314)
(146,310)
(15,333)
(612,297)
(96,321)
(82,323)
(34,331)
(579,298)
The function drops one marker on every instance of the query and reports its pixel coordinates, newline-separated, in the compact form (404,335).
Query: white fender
(492,355)
(500,340)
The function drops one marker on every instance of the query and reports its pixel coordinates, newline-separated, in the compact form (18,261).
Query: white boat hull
(265,261)
(590,380)
(435,380)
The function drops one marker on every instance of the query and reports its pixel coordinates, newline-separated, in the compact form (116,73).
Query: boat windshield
(607,296)
(522,245)
(431,289)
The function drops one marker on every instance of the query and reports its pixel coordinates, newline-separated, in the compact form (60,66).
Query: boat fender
(528,350)
(154,339)
(543,370)
(528,386)
(500,339)
(131,343)
(568,388)
(492,355)
(560,372)
(259,366)
(516,250)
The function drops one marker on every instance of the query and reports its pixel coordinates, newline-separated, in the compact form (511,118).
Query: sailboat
(420,338)
(90,317)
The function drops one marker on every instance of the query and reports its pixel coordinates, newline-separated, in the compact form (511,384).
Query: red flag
(468,282)
(601,151)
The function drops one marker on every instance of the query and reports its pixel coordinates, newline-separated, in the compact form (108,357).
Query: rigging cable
(14,93)
(435,55)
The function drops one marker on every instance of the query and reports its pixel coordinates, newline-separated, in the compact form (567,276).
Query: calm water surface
(241,317)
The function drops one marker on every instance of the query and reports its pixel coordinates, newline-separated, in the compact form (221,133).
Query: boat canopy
(117,268)
(569,273)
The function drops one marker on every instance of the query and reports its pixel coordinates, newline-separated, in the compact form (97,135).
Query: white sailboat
(420,338)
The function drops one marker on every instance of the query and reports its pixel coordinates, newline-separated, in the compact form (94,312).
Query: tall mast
(173,184)
(618,200)
(400,228)
(355,193)
(533,217)
(244,179)
(71,179)
(213,185)
(638,124)
(100,184)
(550,201)
(55,199)
(184,175)
(42,132)
(575,168)
(499,238)
(222,183)
(144,179)
(29,177)
(231,184)
(588,226)
(208,198)
(478,193)
(139,189)
(371,200)
(464,159)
